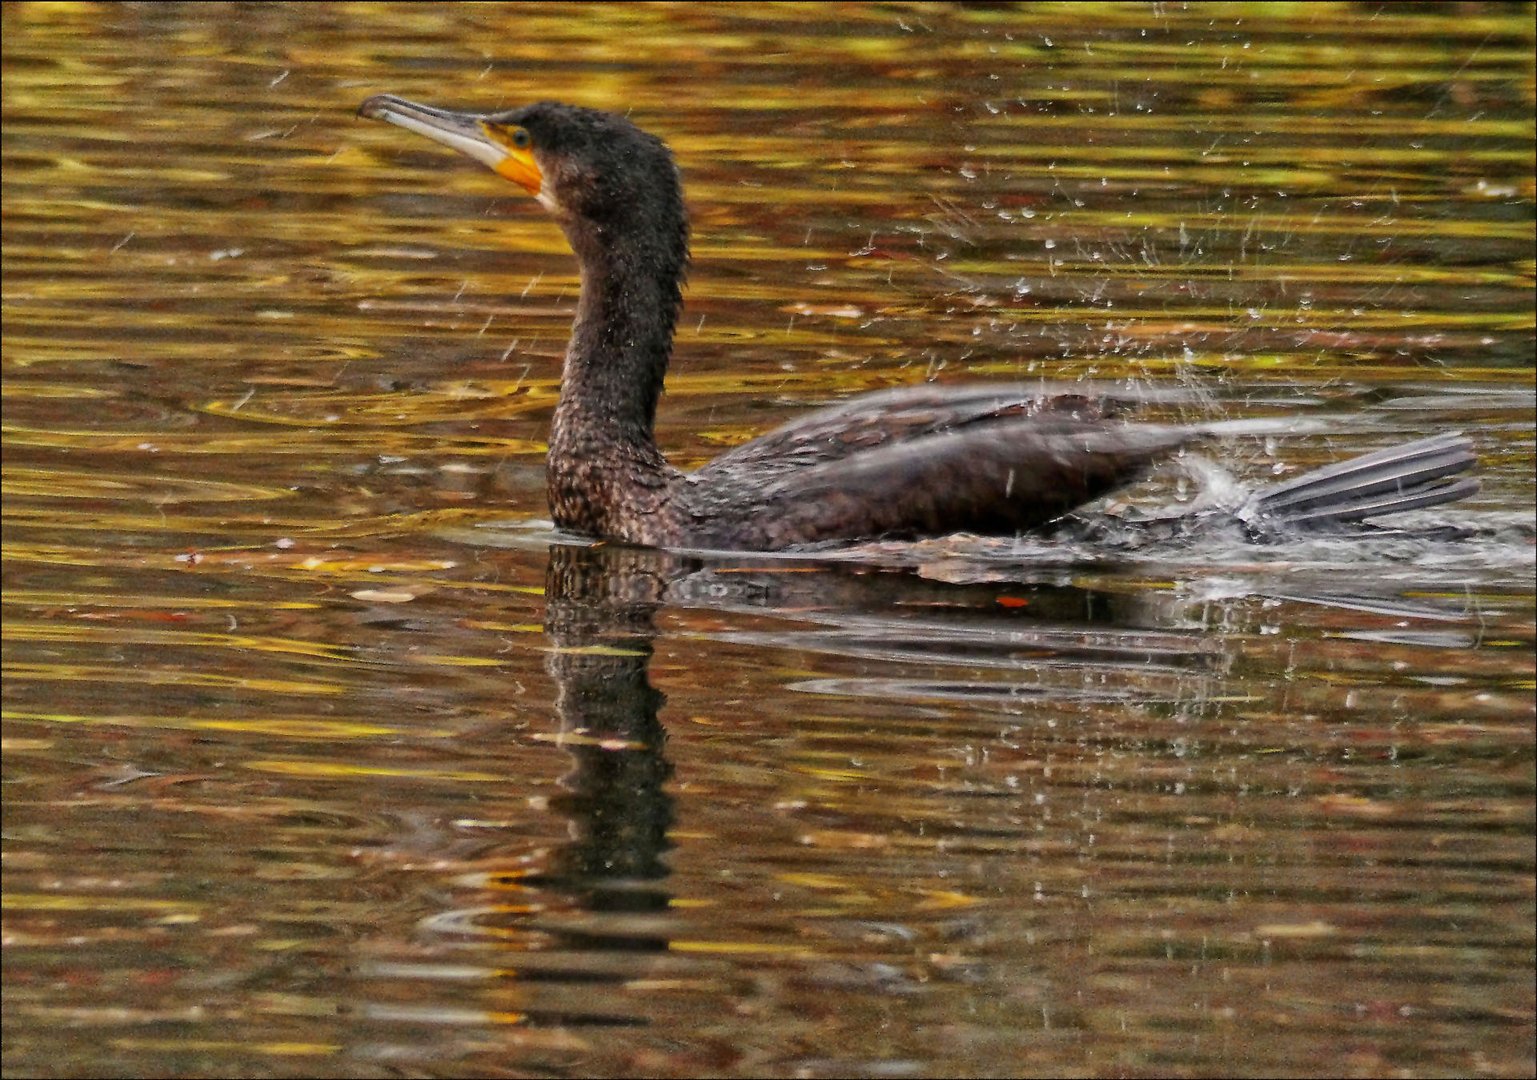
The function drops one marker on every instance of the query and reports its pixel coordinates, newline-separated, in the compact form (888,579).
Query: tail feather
(1413,476)
(1433,495)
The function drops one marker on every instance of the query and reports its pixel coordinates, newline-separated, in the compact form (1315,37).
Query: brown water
(324,758)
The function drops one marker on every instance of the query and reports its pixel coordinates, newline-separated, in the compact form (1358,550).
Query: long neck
(605,471)
(621,339)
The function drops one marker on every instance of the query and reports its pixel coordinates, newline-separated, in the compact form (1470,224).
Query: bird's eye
(521,138)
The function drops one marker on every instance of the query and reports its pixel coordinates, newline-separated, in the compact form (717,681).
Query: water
(325,757)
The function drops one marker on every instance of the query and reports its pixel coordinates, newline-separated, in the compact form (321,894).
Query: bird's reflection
(600,621)
(1034,638)
(602,603)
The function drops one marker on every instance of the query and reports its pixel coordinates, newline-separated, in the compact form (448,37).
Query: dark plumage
(921,461)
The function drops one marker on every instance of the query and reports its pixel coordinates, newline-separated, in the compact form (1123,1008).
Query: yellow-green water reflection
(312,774)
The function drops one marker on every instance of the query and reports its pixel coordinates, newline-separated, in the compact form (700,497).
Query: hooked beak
(469,133)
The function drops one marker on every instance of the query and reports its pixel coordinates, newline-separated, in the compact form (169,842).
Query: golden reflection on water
(305,769)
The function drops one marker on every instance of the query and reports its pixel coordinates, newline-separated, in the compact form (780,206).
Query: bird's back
(921,462)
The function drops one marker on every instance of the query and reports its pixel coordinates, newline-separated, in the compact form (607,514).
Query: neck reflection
(600,621)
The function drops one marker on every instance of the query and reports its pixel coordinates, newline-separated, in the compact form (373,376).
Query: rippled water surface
(324,756)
